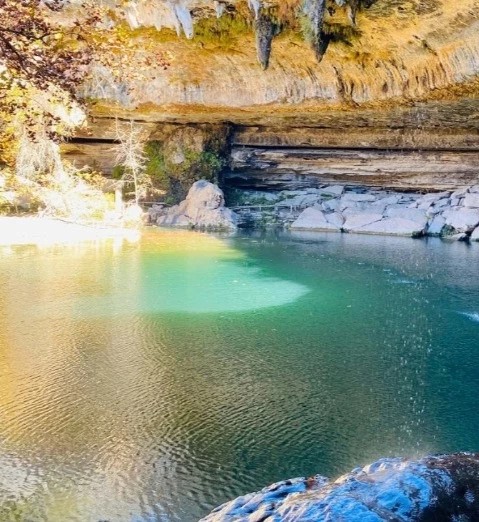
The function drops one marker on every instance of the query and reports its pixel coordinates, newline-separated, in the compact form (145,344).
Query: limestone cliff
(404,75)
(397,49)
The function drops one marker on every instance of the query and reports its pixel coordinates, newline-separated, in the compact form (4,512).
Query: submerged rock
(436,488)
(203,208)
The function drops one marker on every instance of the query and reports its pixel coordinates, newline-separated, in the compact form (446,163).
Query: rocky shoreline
(337,208)
(333,208)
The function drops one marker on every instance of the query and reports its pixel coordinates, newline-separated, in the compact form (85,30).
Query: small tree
(41,62)
(132,158)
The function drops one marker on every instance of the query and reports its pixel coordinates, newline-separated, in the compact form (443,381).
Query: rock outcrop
(203,208)
(435,488)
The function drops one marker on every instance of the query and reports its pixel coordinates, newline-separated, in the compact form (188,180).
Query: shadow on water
(153,382)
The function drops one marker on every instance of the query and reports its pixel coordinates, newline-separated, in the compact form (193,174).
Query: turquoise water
(154,381)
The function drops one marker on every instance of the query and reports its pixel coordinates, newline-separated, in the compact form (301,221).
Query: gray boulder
(461,219)
(394,226)
(203,208)
(459,193)
(314,219)
(332,190)
(299,201)
(335,218)
(412,214)
(331,204)
(436,226)
(471,201)
(358,198)
(357,220)
(393,199)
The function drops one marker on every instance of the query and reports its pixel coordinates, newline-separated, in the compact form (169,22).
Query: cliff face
(397,49)
(405,76)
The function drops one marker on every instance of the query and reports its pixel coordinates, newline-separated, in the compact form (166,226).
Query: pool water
(152,381)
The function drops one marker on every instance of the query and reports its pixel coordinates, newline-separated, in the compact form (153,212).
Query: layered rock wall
(295,168)
(394,103)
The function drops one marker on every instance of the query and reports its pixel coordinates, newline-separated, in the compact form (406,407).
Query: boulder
(335,218)
(409,214)
(359,219)
(331,204)
(393,226)
(388,200)
(441,203)
(300,201)
(461,219)
(471,201)
(332,190)
(436,226)
(351,207)
(459,193)
(203,208)
(431,199)
(358,198)
(314,219)
(441,487)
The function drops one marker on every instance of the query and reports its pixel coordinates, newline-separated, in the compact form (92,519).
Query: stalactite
(141,12)
(255,6)
(353,8)
(314,11)
(265,30)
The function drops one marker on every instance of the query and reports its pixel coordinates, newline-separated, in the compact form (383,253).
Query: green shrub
(175,179)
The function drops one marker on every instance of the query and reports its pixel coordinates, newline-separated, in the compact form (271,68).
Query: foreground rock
(203,208)
(437,488)
(451,215)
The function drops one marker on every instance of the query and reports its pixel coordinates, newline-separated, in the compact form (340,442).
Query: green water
(154,381)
